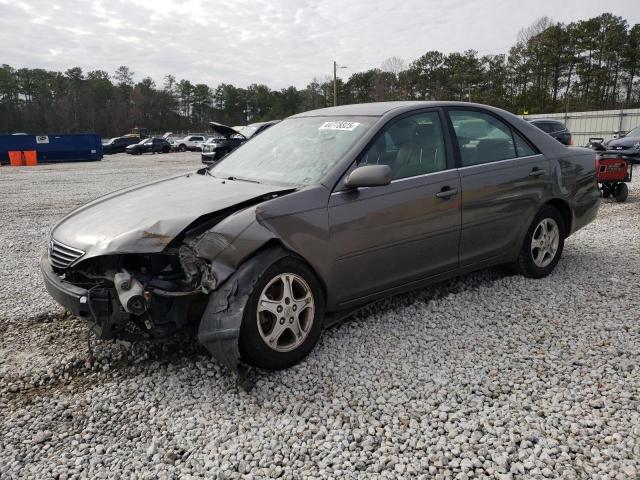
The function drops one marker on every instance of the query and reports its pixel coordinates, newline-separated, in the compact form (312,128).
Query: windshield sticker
(347,126)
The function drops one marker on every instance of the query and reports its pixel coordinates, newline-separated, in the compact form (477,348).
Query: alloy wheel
(545,242)
(285,312)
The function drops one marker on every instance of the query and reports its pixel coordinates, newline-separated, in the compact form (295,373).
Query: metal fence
(602,123)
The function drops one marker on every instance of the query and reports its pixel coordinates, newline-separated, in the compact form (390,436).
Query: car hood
(145,218)
(627,142)
(222,130)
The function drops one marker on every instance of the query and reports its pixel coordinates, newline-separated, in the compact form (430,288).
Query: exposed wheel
(182,148)
(543,244)
(282,320)
(621,192)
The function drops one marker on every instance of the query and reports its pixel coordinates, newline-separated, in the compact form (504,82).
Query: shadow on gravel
(436,291)
(117,360)
(111,360)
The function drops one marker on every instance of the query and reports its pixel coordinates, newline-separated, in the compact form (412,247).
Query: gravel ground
(486,376)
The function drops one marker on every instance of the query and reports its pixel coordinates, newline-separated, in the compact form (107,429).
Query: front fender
(231,242)
(221,321)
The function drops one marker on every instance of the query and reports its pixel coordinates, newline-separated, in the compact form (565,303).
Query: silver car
(319,215)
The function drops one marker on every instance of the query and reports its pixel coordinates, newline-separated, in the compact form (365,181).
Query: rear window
(550,127)
(544,126)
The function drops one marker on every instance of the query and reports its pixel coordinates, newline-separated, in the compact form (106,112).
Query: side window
(523,149)
(411,146)
(482,138)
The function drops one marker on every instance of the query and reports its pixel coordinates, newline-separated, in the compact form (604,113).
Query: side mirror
(369,176)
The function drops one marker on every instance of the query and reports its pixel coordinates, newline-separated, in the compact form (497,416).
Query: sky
(275,42)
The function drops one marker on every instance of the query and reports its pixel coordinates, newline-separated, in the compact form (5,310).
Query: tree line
(590,64)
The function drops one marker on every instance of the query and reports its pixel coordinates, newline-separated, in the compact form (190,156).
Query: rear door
(391,235)
(503,179)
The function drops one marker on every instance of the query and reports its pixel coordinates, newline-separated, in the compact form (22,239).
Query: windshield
(145,141)
(634,133)
(297,151)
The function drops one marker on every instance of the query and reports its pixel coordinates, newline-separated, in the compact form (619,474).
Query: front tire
(182,148)
(543,244)
(282,321)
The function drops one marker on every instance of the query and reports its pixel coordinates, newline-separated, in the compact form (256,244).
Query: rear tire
(621,192)
(543,244)
(281,324)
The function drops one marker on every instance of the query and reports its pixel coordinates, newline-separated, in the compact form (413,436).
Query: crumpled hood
(145,218)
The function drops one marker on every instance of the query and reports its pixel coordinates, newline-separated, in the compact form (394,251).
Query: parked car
(628,145)
(555,128)
(190,142)
(226,139)
(119,144)
(149,145)
(321,214)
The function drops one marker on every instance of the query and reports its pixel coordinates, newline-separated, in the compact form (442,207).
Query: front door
(408,230)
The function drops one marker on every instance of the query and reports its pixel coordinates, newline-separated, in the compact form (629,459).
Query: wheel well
(565,211)
(277,243)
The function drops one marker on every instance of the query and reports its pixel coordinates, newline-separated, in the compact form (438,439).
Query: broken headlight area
(142,296)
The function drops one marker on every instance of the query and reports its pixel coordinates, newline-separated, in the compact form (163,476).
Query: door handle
(447,192)
(536,172)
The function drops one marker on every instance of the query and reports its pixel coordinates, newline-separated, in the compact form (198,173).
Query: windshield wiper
(241,179)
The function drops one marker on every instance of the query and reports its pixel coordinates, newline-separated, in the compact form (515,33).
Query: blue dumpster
(54,148)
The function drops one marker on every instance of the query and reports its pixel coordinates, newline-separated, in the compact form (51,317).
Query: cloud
(276,42)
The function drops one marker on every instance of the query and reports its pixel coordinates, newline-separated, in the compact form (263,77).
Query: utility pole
(335,84)
(469,87)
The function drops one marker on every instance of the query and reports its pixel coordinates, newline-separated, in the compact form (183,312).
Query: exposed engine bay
(142,296)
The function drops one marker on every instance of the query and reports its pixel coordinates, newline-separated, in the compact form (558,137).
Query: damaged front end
(155,285)
(132,296)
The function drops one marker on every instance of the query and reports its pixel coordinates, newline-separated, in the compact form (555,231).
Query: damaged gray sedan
(318,216)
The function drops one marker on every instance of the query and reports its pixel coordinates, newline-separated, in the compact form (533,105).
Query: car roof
(535,120)
(378,109)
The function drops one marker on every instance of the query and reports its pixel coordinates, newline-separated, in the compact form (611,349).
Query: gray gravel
(486,376)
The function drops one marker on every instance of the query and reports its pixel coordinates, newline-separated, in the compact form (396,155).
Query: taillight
(570,141)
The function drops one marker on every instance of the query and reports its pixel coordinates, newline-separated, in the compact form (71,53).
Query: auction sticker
(42,139)
(346,126)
